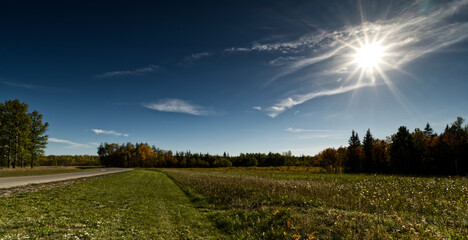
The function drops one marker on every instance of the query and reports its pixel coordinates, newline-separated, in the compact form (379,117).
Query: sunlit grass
(256,204)
(130,205)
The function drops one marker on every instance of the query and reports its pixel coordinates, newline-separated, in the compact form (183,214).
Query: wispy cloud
(29,86)
(138,71)
(280,61)
(305,42)
(290,102)
(411,35)
(301,130)
(71,144)
(179,106)
(109,132)
(20,85)
(197,56)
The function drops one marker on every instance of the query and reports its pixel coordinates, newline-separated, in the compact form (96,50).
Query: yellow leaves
(276,212)
(296,237)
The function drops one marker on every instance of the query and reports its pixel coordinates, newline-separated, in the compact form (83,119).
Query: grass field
(250,203)
(17,172)
(241,203)
(131,205)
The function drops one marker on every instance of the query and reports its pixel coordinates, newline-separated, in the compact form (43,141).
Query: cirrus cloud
(71,144)
(109,132)
(179,106)
(138,71)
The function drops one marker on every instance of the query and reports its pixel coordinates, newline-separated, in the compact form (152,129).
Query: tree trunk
(9,159)
(32,160)
(15,157)
(9,153)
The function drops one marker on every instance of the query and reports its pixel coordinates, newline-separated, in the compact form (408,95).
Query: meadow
(241,203)
(291,203)
(132,205)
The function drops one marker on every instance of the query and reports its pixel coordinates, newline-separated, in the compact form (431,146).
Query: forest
(22,135)
(421,152)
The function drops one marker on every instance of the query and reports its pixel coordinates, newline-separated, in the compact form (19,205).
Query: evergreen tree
(37,139)
(401,152)
(354,153)
(428,131)
(454,145)
(368,145)
(17,124)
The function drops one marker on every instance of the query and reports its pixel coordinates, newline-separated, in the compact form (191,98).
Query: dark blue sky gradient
(100,66)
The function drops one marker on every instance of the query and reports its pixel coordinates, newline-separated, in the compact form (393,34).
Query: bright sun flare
(369,56)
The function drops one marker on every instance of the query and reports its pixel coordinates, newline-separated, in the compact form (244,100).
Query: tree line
(22,134)
(420,152)
(143,155)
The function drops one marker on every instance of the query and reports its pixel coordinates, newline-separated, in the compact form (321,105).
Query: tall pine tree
(38,140)
(401,152)
(354,153)
(368,145)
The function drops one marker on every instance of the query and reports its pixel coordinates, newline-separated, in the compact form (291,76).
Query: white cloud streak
(290,102)
(306,42)
(301,130)
(109,132)
(197,56)
(179,106)
(71,144)
(28,86)
(138,71)
(280,61)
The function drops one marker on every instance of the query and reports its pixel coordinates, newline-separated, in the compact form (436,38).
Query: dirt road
(9,182)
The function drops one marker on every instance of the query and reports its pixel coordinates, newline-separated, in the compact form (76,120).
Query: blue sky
(238,76)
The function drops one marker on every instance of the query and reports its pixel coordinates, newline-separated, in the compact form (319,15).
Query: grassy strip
(131,205)
(253,204)
(18,172)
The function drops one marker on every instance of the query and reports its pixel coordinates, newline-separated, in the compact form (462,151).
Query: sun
(369,56)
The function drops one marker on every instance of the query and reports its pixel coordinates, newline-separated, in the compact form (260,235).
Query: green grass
(241,203)
(132,205)
(255,204)
(18,172)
